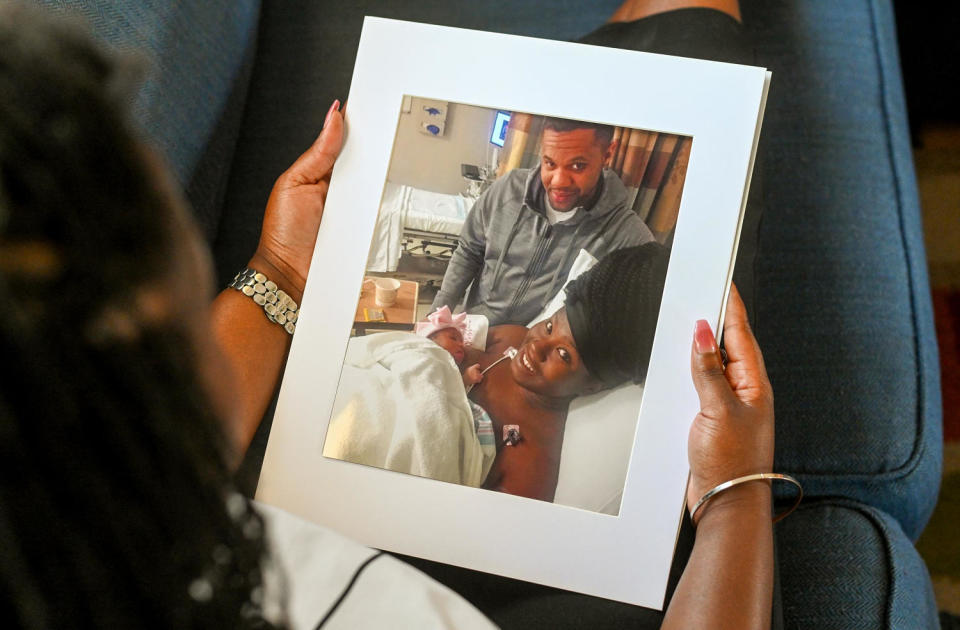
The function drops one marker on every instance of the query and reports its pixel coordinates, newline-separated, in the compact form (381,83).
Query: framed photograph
(445,394)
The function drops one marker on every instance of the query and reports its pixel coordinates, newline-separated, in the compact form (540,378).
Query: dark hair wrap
(613,309)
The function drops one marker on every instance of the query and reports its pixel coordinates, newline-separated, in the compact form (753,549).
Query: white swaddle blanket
(401,405)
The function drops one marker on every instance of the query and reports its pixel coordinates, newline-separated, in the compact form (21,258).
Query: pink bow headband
(440,319)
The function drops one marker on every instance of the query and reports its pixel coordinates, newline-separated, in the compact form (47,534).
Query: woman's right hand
(295,207)
(732,435)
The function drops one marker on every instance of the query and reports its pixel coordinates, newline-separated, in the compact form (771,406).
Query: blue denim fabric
(843,306)
(849,566)
(194,51)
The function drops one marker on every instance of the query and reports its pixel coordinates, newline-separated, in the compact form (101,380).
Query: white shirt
(312,566)
(555,216)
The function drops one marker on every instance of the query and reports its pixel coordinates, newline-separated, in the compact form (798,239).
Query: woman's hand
(254,348)
(295,208)
(732,435)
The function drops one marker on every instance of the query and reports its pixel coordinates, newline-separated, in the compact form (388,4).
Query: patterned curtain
(521,147)
(651,165)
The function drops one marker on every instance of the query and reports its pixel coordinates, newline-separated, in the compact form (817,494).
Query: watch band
(277,305)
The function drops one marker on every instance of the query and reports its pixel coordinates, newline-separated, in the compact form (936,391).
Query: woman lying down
(403,401)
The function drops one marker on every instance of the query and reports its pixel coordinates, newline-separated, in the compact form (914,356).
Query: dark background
(929,34)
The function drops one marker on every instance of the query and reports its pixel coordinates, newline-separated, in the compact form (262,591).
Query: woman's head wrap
(612,310)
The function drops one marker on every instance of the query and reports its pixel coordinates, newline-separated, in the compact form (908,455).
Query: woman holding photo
(132,399)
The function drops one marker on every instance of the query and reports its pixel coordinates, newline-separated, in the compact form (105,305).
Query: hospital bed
(415,222)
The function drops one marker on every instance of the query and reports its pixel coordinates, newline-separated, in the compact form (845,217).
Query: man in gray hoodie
(522,236)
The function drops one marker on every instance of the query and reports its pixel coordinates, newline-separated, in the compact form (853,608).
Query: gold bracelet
(754,477)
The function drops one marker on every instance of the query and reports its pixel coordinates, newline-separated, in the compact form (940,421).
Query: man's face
(570,166)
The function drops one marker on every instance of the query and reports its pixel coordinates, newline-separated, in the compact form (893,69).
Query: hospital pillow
(599,433)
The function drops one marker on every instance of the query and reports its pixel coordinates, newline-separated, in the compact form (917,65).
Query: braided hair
(613,310)
(116,503)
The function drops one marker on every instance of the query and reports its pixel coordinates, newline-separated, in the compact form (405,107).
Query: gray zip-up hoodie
(516,260)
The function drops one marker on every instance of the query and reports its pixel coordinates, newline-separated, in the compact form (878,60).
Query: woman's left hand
(733,433)
(295,208)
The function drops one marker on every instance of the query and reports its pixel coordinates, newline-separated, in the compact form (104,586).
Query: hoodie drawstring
(566,256)
(563,263)
(506,246)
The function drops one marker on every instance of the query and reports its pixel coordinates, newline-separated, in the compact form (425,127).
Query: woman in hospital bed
(600,339)
(402,405)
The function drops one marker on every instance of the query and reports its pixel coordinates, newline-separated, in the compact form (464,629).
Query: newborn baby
(451,340)
(450,332)
(447,331)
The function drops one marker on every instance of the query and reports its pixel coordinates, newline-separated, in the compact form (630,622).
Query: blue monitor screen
(500,128)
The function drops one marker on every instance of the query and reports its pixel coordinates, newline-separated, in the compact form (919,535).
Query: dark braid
(117,507)
(613,310)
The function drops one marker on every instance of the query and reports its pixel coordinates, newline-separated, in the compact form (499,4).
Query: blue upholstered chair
(843,310)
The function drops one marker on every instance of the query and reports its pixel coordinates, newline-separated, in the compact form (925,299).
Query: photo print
(510,299)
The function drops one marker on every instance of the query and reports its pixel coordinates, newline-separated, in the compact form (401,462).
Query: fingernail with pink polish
(703,337)
(333,108)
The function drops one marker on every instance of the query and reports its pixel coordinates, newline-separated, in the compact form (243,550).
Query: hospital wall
(433,162)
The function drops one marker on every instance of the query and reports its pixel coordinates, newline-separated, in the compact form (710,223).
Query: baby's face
(450,340)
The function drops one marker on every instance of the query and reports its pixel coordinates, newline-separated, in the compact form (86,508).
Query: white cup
(385,293)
